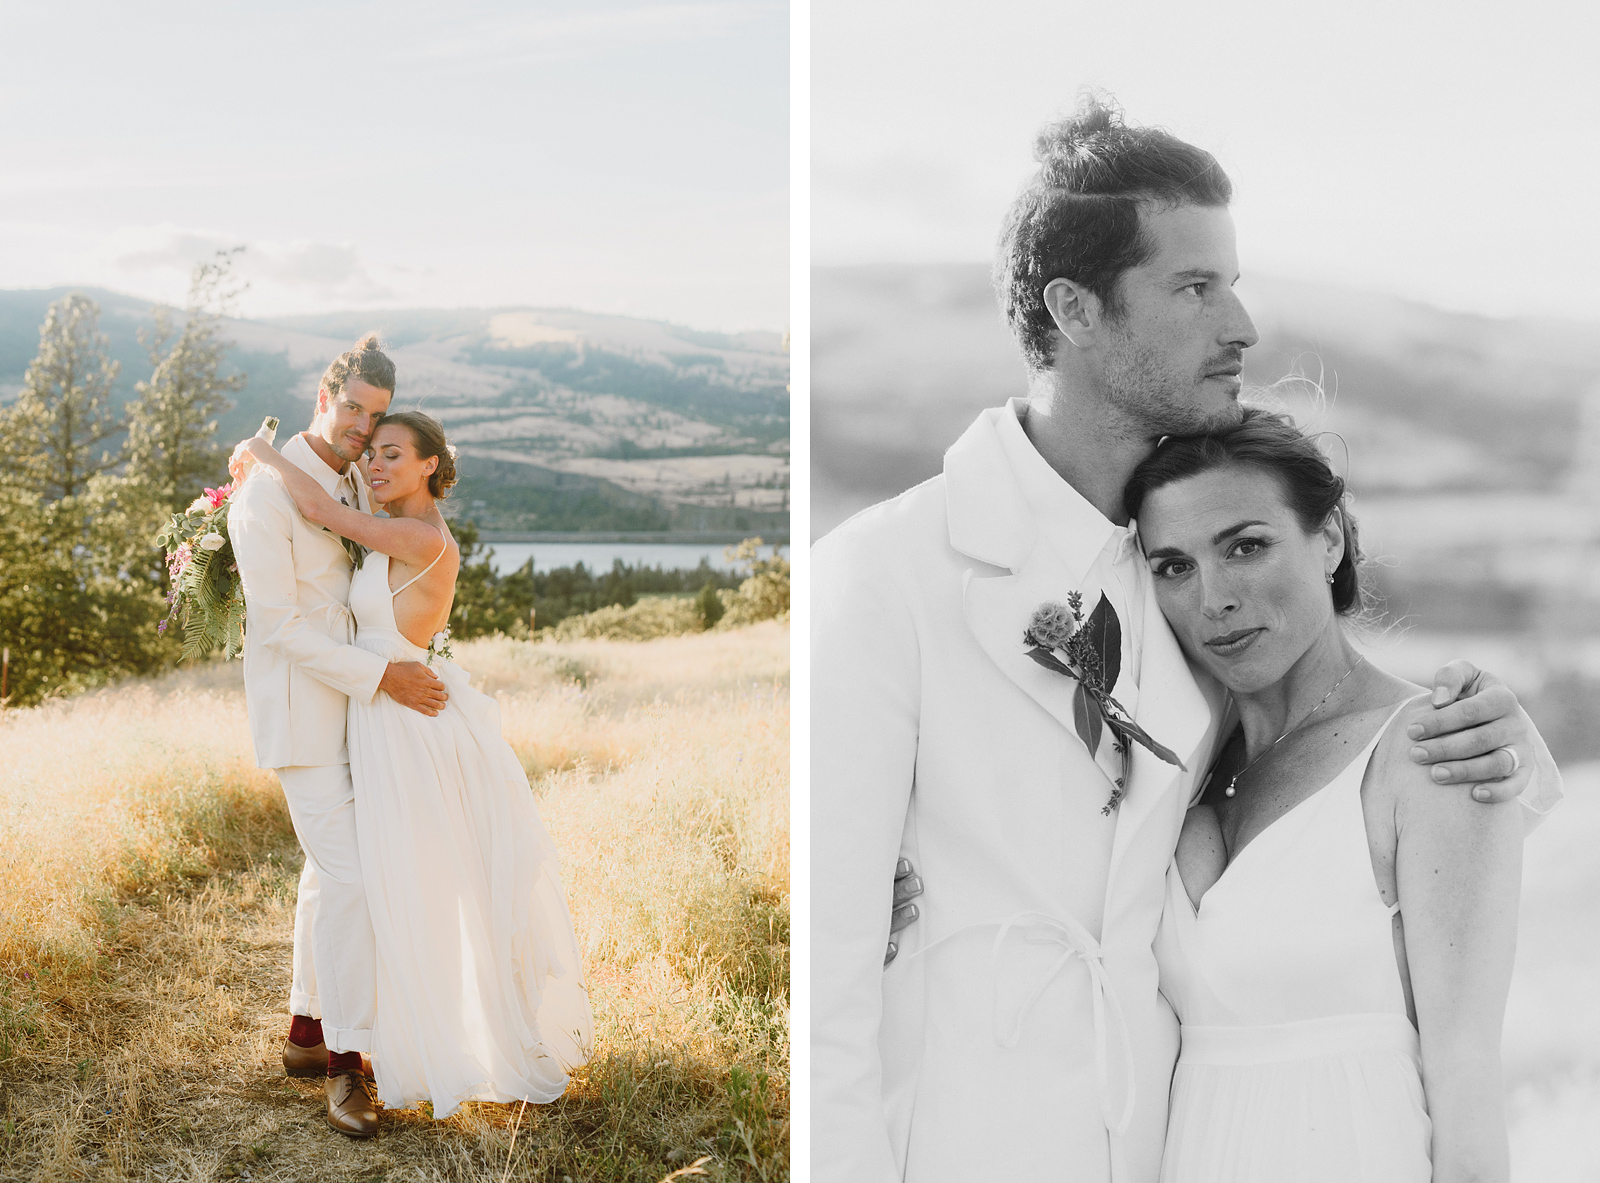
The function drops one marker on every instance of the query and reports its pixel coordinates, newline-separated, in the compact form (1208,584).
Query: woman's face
(395,469)
(1244,588)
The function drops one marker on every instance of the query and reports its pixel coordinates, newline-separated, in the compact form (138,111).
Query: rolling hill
(903,357)
(565,420)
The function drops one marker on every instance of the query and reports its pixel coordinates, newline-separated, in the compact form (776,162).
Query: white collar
(304,457)
(1064,515)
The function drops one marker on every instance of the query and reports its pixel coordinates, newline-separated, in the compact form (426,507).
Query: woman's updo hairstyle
(427,436)
(1269,443)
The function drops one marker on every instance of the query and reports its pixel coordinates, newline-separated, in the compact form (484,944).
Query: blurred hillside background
(1472,446)
(568,421)
(1416,234)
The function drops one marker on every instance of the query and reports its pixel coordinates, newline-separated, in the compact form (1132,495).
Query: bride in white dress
(1339,930)
(480,991)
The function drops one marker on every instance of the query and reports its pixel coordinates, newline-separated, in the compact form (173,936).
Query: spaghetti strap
(444,546)
(1394,908)
(1393,715)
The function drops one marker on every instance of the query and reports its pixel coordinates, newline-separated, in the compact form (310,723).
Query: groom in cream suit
(300,670)
(1018,1032)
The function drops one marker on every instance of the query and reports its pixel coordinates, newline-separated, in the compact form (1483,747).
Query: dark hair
(427,436)
(367,361)
(1078,217)
(1270,443)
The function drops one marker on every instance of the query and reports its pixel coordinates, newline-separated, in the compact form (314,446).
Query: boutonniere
(1090,653)
(439,646)
(355,550)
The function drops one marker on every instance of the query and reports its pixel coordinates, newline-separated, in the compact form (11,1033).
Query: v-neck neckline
(1366,750)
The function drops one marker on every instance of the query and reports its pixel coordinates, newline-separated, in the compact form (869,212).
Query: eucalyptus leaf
(1050,661)
(1086,718)
(1104,631)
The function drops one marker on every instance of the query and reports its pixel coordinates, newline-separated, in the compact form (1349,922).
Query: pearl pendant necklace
(1234,780)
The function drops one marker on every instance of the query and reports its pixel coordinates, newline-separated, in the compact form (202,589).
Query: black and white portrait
(1203,638)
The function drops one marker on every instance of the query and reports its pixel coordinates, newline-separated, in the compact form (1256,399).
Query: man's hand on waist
(414,685)
(907,887)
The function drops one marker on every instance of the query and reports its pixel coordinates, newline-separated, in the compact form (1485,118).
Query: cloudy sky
(1440,150)
(612,155)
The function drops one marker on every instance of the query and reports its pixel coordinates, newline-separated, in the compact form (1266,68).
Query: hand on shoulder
(1415,797)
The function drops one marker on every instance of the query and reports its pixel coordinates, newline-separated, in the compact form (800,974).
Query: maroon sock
(343,1062)
(304,1031)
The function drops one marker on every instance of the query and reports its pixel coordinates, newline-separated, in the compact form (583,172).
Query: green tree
(764,595)
(172,424)
(49,436)
(710,606)
(78,597)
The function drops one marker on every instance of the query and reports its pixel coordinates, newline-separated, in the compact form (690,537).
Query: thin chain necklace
(1234,780)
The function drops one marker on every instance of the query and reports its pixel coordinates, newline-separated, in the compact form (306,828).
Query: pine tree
(49,436)
(78,599)
(172,424)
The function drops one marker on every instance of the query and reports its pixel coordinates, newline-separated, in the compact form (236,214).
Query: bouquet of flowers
(206,595)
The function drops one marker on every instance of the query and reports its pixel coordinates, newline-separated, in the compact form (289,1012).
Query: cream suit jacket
(300,668)
(991,1047)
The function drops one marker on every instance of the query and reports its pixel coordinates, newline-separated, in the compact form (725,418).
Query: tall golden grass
(147,875)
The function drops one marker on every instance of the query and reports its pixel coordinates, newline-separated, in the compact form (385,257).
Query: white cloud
(323,271)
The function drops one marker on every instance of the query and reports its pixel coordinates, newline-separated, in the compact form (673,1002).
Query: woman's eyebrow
(1222,535)
(1170,552)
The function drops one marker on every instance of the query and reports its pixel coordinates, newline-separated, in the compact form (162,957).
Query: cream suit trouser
(335,962)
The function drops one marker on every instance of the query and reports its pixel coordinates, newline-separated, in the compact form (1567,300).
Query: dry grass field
(147,879)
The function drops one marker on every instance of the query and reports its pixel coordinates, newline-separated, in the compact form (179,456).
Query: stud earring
(1330,579)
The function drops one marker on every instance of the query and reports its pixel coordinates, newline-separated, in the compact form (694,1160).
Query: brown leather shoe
(351,1107)
(312,1061)
(305,1061)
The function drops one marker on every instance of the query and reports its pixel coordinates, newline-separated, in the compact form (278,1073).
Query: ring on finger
(1516,760)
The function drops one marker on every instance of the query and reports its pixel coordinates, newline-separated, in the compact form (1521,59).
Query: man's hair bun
(367,361)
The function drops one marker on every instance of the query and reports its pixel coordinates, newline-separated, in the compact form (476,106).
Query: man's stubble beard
(1151,401)
(340,446)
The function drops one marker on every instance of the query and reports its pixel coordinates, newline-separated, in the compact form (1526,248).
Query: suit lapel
(998,609)
(1176,712)
(298,452)
(1017,568)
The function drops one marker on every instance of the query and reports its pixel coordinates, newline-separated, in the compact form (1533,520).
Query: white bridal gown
(1298,1062)
(480,992)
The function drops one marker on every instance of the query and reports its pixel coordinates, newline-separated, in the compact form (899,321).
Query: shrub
(764,595)
(665,616)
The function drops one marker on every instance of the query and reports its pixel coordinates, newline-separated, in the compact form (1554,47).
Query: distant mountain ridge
(655,425)
(903,357)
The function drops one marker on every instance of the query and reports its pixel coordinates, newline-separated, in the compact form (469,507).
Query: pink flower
(218,496)
(179,559)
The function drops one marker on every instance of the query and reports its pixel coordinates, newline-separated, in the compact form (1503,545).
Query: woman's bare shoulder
(1408,788)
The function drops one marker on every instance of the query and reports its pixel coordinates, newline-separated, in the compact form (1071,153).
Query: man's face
(1171,360)
(347,420)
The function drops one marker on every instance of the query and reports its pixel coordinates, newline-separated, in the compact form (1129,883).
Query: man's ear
(1075,310)
(323,399)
